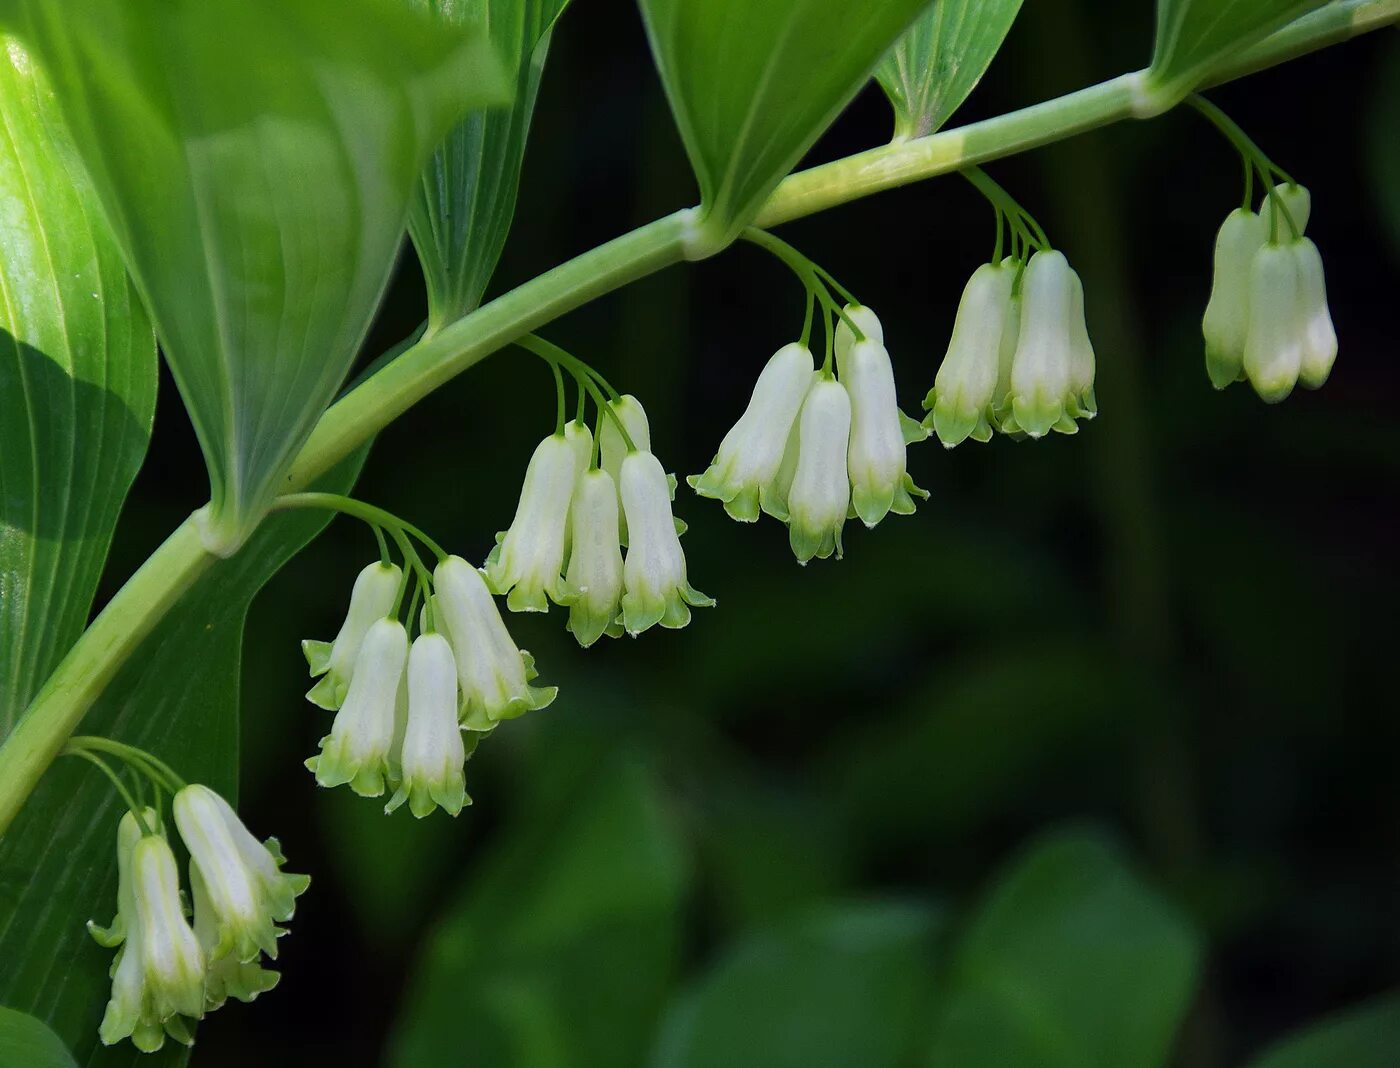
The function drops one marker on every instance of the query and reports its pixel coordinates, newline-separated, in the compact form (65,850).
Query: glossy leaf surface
(26,1041)
(1072,961)
(256,161)
(752,85)
(940,59)
(77,386)
(465,201)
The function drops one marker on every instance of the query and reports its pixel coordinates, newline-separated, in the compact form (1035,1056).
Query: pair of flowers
(814,448)
(1267,319)
(577,511)
(1020,360)
(401,710)
(168,972)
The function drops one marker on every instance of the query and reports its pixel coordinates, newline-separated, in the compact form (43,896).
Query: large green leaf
(1194,35)
(753,83)
(77,386)
(27,1043)
(1072,963)
(1364,1037)
(178,698)
(844,986)
(559,955)
(256,161)
(466,198)
(940,59)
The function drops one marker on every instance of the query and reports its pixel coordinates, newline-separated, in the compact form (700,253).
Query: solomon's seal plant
(236,179)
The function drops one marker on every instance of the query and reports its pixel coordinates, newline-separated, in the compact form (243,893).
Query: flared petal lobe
(374,595)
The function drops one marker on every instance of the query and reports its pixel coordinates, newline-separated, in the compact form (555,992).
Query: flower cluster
(400,708)
(579,507)
(814,448)
(1267,319)
(1020,360)
(168,972)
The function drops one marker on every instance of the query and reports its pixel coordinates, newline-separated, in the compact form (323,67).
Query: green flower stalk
(373,597)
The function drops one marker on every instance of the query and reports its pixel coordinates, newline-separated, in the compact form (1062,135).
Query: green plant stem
(442,353)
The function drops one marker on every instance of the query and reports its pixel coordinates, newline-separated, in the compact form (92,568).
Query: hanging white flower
(964,394)
(877,455)
(655,588)
(752,451)
(494,674)
(373,596)
(1291,202)
(868,323)
(225,976)
(357,750)
(1226,322)
(527,563)
(595,566)
(172,964)
(1042,370)
(773,498)
(433,754)
(247,892)
(1319,337)
(612,449)
(1083,403)
(820,493)
(1273,352)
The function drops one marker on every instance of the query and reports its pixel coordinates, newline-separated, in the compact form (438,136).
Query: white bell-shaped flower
(964,391)
(820,494)
(869,325)
(373,596)
(1273,351)
(433,753)
(655,587)
(595,566)
(130,1011)
(225,976)
(1083,403)
(877,458)
(1290,202)
(1319,335)
(773,498)
(612,449)
(171,961)
(247,892)
(527,563)
(1226,322)
(358,747)
(1042,370)
(494,674)
(752,450)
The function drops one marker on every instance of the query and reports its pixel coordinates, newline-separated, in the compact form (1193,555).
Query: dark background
(1177,625)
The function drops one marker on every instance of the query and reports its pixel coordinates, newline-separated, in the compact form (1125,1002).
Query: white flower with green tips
(752,451)
(1225,325)
(494,673)
(1083,403)
(246,891)
(433,755)
(1289,203)
(373,597)
(527,564)
(612,449)
(1043,395)
(877,456)
(595,564)
(820,493)
(869,325)
(225,976)
(655,587)
(1319,335)
(963,399)
(172,964)
(357,750)
(1273,351)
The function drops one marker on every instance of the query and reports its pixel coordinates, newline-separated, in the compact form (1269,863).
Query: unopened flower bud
(655,586)
(373,596)
(1319,336)
(1290,202)
(1226,322)
(868,323)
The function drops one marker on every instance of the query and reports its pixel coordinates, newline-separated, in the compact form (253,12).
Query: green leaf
(841,986)
(1364,1037)
(940,59)
(560,952)
(1071,962)
(1195,35)
(1383,147)
(753,84)
(177,698)
(77,386)
(256,161)
(463,208)
(25,1041)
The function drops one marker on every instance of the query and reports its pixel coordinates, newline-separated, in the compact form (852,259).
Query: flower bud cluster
(814,448)
(1020,360)
(168,972)
(1267,319)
